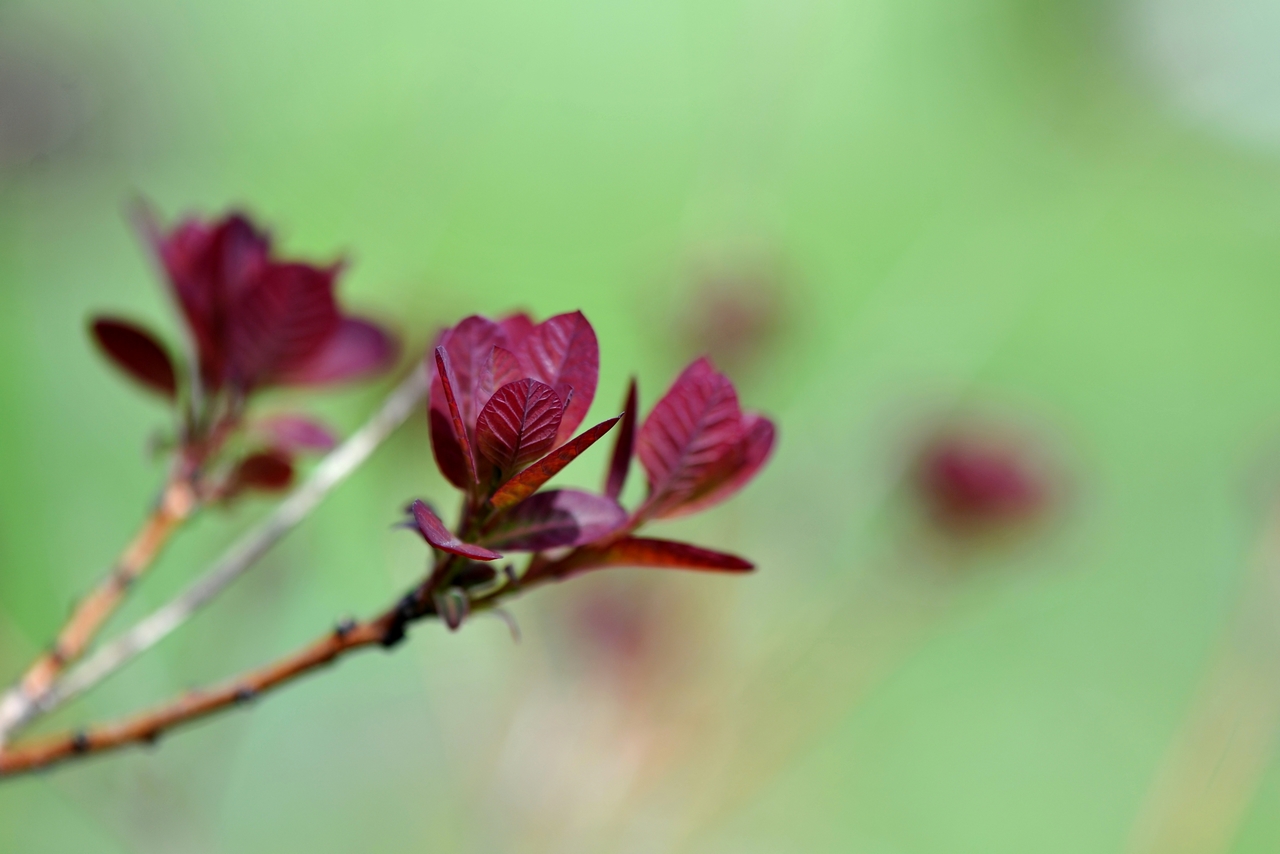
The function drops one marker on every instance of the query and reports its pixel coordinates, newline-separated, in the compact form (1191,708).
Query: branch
(146,728)
(237,560)
(175,506)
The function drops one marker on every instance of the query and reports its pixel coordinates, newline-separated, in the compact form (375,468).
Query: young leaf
(278,326)
(687,434)
(640,552)
(266,471)
(295,433)
(501,368)
(435,533)
(624,448)
(560,517)
(468,346)
(518,424)
(734,470)
(136,352)
(459,427)
(562,352)
(356,349)
(528,482)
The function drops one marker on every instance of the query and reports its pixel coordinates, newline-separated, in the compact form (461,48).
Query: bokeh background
(1058,221)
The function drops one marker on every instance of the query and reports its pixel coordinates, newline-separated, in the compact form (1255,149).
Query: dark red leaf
(517,328)
(527,482)
(562,351)
(624,447)
(295,433)
(358,348)
(136,352)
(468,346)
(734,470)
(435,533)
(448,453)
(686,435)
(278,326)
(560,517)
(518,424)
(502,367)
(267,471)
(639,552)
(445,373)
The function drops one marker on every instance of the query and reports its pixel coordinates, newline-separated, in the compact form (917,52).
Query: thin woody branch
(238,559)
(175,506)
(148,727)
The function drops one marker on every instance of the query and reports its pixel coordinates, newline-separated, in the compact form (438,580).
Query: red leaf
(500,368)
(267,471)
(640,552)
(518,424)
(136,352)
(734,470)
(686,436)
(517,328)
(560,517)
(447,451)
(624,448)
(435,533)
(277,327)
(358,348)
(527,482)
(562,351)
(468,345)
(295,433)
(445,373)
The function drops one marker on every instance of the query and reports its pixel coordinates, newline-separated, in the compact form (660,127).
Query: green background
(1006,210)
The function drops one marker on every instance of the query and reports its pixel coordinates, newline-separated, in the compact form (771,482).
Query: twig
(148,727)
(243,554)
(175,506)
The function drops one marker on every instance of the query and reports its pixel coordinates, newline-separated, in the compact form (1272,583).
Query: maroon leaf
(445,373)
(277,327)
(527,482)
(624,448)
(435,533)
(734,470)
(684,438)
(448,453)
(639,552)
(136,352)
(562,351)
(468,346)
(561,517)
(267,471)
(357,348)
(518,424)
(517,328)
(295,433)
(502,367)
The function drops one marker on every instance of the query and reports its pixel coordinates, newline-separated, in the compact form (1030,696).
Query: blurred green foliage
(982,205)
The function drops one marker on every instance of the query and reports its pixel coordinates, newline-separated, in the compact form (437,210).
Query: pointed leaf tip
(530,480)
(624,447)
(134,350)
(435,533)
(641,552)
(445,374)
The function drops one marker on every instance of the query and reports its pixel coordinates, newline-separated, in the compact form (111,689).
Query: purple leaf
(562,351)
(435,533)
(639,552)
(502,367)
(735,469)
(527,482)
(468,345)
(266,471)
(356,349)
(281,324)
(518,424)
(136,352)
(445,373)
(561,517)
(684,438)
(624,448)
(295,433)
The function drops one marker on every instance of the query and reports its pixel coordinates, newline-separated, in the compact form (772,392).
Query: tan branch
(176,504)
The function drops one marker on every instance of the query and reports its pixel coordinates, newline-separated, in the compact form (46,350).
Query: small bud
(453,605)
